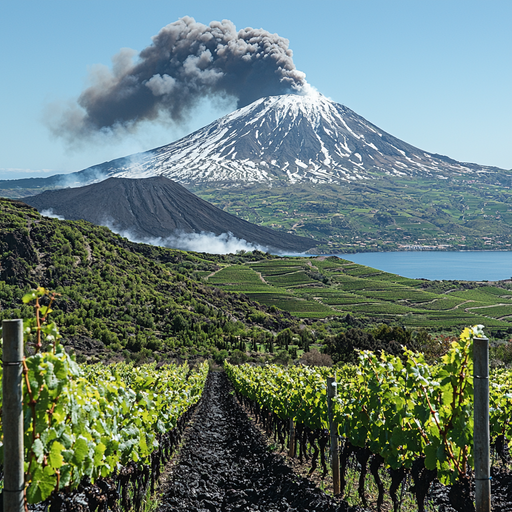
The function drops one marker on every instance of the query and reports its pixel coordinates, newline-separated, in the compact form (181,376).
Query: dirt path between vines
(226,466)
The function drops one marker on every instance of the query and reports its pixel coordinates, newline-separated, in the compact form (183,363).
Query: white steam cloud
(225,243)
(81,179)
(49,213)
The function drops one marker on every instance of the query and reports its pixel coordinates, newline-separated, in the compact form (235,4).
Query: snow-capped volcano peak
(313,105)
(288,138)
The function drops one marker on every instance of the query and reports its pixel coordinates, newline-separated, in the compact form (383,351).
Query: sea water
(452,265)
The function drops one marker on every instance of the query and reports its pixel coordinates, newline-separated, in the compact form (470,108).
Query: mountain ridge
(275,140)
(261,161)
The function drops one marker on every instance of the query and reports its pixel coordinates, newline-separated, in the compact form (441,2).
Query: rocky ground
(226,466)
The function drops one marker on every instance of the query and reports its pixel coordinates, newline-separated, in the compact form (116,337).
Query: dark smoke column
(186,62)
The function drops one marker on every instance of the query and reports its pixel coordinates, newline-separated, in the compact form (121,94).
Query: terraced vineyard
(272,288)
(324,287)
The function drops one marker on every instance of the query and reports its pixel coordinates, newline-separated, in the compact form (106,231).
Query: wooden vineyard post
(12,415)
(291,449)
(333,428)
(481,435)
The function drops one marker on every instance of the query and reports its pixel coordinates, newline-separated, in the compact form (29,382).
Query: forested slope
(120,296)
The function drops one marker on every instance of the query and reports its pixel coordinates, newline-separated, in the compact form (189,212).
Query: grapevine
(92,421)
(403,413)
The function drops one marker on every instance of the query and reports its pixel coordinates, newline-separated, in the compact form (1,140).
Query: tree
(283,357)
(315,358)
(305,340)
(284,338)
(238,357)
(343,346)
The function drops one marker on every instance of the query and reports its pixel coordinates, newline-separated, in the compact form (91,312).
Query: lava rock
(226,457)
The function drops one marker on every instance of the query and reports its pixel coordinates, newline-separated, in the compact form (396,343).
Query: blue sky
(436,74)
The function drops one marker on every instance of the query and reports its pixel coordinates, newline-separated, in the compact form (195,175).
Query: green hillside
(121,298)
(468,212)
(322,287)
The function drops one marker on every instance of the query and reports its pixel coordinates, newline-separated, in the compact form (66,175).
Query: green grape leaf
(80,450)
(65,476)
(99,450)
(44,310)
(42,484)
(38,450)
(29,297)
(50,378)
(55,457)
(65,439)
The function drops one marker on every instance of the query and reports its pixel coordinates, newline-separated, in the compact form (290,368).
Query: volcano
(159,208)
(283,139)
(276,140)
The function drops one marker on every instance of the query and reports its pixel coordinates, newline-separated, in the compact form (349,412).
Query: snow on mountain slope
(289,138)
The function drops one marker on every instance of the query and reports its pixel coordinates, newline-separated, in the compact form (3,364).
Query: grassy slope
(319,288)
(381,214)
(124,298)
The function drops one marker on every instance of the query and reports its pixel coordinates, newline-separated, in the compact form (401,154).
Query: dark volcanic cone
(157,208)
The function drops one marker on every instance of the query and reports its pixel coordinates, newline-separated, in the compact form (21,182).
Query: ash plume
(186,62)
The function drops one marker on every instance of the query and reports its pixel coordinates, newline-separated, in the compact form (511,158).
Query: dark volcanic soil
(226,466)
(157,208)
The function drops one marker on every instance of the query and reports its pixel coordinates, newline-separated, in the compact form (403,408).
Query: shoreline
(462,265)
